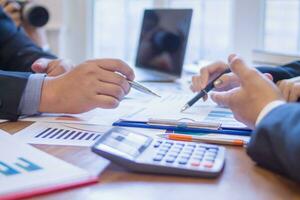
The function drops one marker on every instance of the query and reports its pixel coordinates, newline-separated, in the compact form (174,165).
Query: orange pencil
(206,139)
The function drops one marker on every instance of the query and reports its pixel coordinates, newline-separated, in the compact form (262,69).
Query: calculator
(141,153)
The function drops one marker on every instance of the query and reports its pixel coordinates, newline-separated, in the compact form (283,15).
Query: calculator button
(170,143)
(180,144)
(199,154)
(179,148)
(158,158)
(200,150)
(210,154)
(183,161)
(160,154)
(213,150)
(197,158)
(157,144)
(175,151)
(168,146)
(163,151)
(209,159)
(195,164)
(172,155)
(186,154)
(208,165)
(184,157)
(189,149)
(170,159)
(191,145)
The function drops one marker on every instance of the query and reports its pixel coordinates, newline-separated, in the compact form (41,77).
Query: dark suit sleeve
(12,85)
(275,144)
(17,51)
(287,71)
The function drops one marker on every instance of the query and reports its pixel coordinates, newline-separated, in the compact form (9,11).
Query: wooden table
(241,179)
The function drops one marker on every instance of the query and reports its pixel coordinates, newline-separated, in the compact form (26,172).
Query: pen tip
(184,108)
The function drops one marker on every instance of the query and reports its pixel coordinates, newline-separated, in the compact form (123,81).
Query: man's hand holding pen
(252,91)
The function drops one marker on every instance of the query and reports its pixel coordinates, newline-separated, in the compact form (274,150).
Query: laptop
(162,44)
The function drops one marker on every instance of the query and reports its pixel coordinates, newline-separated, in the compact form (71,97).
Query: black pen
(202,93)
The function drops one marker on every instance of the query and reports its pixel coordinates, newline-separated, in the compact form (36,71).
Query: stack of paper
(26,171)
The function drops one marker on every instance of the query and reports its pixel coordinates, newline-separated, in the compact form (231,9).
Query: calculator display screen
(126,142)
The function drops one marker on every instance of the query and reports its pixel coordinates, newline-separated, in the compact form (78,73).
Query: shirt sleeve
(30,101)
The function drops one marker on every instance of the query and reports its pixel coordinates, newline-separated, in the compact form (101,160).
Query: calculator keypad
(185,155)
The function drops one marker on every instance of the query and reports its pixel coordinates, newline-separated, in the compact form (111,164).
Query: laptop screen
(163,40)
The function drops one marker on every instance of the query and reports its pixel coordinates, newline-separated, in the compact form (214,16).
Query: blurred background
(266,31)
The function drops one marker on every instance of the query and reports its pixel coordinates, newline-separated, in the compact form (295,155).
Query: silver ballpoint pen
(142,88)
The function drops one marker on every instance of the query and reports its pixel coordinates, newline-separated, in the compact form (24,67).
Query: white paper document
(96,116)
(168,108)
(26,171)
(61,134)
(1,120)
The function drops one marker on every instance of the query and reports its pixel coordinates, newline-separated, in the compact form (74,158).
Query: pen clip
(185,123)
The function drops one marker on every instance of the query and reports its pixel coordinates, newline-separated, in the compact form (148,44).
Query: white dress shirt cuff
(268,108)
(30,100)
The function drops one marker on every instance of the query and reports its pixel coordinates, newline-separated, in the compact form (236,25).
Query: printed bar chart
(59,134)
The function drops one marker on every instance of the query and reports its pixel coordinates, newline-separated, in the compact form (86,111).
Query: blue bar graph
(16,168)
(27,165)
(7,170)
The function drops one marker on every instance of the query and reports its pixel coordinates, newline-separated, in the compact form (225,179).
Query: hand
(248,100)
(210,72)
(290,88)
(51,67)
(91,84)
(13,10)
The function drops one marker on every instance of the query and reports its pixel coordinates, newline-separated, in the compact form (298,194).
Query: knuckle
(237,61)
(203,70)
(118,92)
(120,81)
(112,103)
(251,73)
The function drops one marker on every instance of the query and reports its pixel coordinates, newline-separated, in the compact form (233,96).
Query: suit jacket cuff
(268,108)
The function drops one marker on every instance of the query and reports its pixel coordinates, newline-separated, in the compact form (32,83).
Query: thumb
(239,67)
(40,65)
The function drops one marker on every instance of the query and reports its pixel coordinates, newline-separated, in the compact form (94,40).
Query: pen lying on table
(206,139)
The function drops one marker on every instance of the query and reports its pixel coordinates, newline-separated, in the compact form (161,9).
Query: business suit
(17,53)
(275,144)
(287,71)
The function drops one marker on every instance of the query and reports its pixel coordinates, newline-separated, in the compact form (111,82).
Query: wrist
(48,96)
